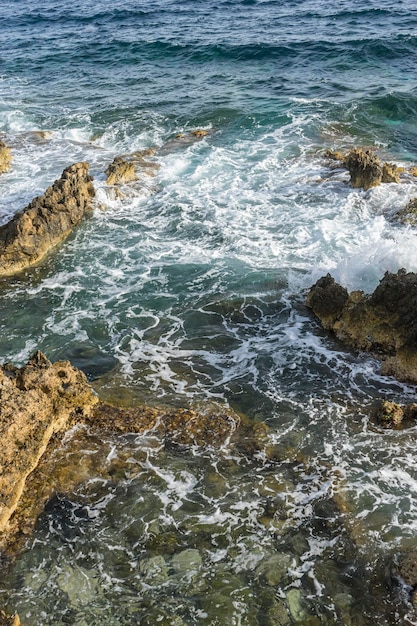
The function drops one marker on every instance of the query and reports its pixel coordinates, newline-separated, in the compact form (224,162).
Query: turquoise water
(190,289)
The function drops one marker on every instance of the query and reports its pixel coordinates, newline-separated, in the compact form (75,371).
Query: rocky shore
(383,323)
(42,401)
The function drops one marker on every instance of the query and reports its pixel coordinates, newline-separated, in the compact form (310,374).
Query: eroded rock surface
(365,168)
(392,415)
(36,402)
(5,157)
(46,221)
(384,323)
(8,620)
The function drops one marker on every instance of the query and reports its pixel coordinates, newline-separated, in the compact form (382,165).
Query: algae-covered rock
(384,323)
(154,570)
(80,584)
(37,401)
(274,570)
(46,221)
(187,563)
(5,157)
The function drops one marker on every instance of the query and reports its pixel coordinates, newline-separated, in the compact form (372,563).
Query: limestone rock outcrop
(36,402)
(365,168)
(9,620)
(125,169)
(384,323)
(392,415)
(46,221)
(5,157)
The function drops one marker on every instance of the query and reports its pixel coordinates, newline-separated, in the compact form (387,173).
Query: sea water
(189,288)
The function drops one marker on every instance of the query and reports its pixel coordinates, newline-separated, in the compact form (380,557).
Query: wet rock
(177,426)
(365,168)
(120,171)
(295,605)
(274,570)
(8,620)
(392,415)
(408,215)
(327,299)
(391,173)
(384,323)
(187,563)
(154,570)
(46,221)
(408,568)
(81,585)
(182,140)
(5,157)
(37,401)
(335,155)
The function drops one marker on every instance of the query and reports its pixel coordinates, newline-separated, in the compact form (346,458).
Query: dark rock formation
(37,401)
(408,215)
(5,157)
(384,323)
(365,168)
(46,221)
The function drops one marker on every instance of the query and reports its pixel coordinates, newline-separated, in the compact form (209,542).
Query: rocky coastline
(42,401)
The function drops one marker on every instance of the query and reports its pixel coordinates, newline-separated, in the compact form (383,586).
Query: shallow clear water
(191,288)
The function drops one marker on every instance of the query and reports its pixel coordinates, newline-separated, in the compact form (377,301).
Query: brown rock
(365,168)
(7,620)
(391,173)
(5,158)
(37,401)
(392,415)
(384,323)
(46,221)
(182,426)
(124,169)
(408,215)
(120,171)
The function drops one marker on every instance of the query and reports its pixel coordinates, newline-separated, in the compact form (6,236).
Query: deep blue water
(190,288)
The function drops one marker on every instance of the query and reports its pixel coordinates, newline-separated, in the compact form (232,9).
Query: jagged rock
(391,173)
(384,323)
(125,168)
(5,157)
(37,401)
(46,221)
(335,155)
(407,572)
(120,171)
(408,215)
(365,168)
(7,620)
(392,415)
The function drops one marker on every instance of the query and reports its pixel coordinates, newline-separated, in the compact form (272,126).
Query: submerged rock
(37,401)
(5,157)
(46,221)
(384,323)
